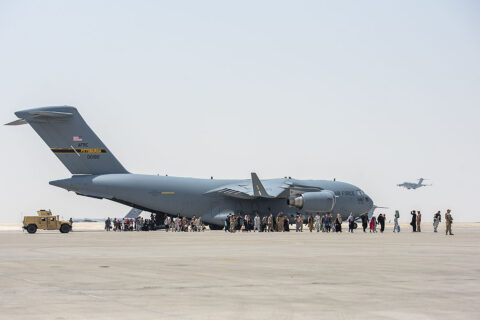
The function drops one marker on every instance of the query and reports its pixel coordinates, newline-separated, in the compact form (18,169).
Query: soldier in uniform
(281,222)
(263,225)
(310,222)
(448,222)
(232,223)
(270,223)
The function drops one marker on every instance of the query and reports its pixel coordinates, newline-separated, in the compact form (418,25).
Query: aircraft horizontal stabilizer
(38,115)
(133,213)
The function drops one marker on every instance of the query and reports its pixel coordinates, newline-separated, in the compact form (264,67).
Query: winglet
(17,122)
(258,189)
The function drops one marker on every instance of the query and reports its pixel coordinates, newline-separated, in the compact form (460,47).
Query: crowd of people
(183,224)
(176,224)
(128,224)
(280,223)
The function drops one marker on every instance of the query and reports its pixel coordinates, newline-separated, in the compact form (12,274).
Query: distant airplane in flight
(412,185)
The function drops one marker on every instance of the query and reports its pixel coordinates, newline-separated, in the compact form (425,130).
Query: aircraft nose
(369,202)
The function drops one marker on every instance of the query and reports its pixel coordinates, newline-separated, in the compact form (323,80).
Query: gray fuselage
(188,196)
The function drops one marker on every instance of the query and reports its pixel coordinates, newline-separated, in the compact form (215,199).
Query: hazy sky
(373,93)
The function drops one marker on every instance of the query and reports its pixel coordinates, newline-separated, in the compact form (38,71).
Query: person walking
(270,223)
(322,223)
(381,221)
(300,220)
(227,223)
(351,222)
(256,222)
(419,221)
(246,223)
(281,222)
(364,221)
(328,222)
(317,222)
(238,222)
(297,223)
(448,222)
(232,223)
(396,227)
(413,223)
(286,223)
(166,223)
(310,222)
(338,223)
(373,224)
(437,218)
(198,224)
(263,225)
(108,224)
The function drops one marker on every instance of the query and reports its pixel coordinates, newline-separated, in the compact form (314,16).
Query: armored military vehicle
(45,220)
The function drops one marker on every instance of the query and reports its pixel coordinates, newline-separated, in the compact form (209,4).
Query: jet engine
(322,201)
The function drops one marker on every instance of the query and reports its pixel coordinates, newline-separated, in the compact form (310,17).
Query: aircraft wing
(241,191)
(254,189)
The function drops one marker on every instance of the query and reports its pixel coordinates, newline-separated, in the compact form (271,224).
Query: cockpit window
(347,193)
(360,193)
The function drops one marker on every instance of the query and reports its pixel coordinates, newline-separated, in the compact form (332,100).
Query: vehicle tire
(64,228)
(355,225)
(31,228)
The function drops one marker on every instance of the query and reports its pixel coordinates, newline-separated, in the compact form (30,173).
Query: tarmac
(92,274)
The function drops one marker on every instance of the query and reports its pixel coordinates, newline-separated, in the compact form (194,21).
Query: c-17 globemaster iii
(413,185)
(97,173)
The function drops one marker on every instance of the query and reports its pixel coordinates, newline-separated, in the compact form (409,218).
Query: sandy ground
(92,274)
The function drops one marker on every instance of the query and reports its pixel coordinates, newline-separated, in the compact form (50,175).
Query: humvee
(46,221)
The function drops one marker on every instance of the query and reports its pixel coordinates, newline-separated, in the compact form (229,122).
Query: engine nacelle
(322,201)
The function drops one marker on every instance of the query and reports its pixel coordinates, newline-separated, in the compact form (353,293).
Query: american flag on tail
(77,139)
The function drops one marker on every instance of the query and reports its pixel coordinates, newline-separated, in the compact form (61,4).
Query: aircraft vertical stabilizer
(70,139)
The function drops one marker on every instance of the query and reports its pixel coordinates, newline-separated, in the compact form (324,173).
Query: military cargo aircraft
(413,185)
(98,174)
